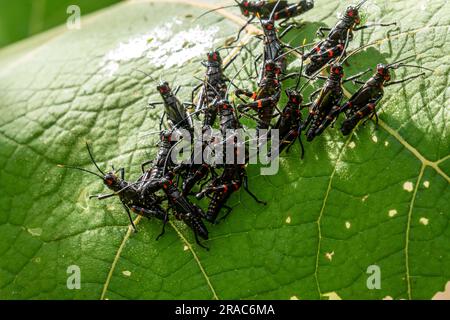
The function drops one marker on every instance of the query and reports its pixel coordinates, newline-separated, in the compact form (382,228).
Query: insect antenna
(175,126)
(357,50)
(301,68)
(208,84)
(359,5)
(391,65)
(273,10)
(93,160)
(345,47)
(312,78)
(81,169)
(215,9)
(411,66)
(234,78)
(147,74)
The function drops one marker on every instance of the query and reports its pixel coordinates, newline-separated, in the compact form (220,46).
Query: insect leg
(129,216)
(285,31)
(153,105)
(301,144)
(311,97)
(122,173)
(162,120)
(228,208)
(166,219)
(199,243)
(250,193)
(194,90)
(144,164)
(320,31)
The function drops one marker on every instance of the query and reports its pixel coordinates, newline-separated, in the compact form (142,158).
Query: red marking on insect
(163,89)
(330,53)
(225,188)
(350,13)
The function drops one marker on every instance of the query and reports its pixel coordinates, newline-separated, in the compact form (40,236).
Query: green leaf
(21,19)
(379,197)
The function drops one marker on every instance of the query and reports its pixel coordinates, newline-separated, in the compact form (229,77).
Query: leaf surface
(379,197)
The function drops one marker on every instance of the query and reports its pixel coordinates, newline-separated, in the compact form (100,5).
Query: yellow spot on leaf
(426,184)
(329,255)
(185,248)
(443,295)
(375,139)
(352,145)
(294,298)
(35,232)
(408,186)
(288,219)
(332,296)
(126,273)
(424,221)
(392,213)
(348,224)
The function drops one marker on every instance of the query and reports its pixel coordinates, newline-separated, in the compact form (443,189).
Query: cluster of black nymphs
(165,181)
